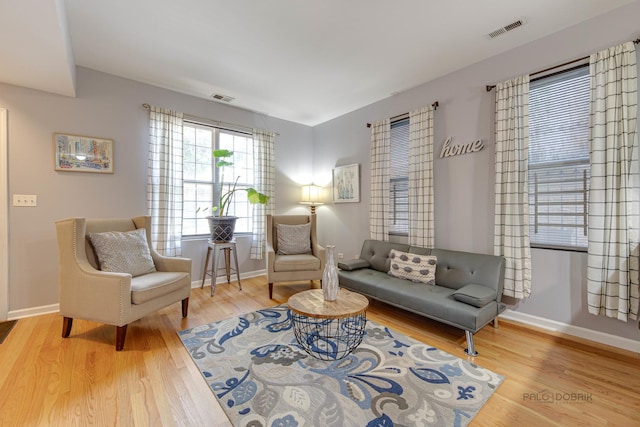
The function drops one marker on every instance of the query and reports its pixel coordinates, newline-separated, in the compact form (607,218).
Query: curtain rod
(231,126)
(435,106)
(491,87)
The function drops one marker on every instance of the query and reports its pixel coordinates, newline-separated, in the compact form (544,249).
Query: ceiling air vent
(224,98)
(500,31)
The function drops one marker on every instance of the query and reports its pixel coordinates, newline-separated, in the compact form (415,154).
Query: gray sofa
(466,294)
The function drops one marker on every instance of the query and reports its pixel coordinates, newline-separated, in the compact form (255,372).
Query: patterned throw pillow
(417,268)
(294,239)
(123,252)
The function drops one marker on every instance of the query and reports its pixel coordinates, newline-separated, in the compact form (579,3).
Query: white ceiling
(302,61)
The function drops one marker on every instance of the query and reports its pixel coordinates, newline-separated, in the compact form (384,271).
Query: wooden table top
(312,304)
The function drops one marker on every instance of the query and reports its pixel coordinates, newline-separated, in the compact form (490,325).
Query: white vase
(330,277)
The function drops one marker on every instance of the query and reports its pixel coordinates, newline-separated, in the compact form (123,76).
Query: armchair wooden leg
(121,333)
(270,290)
(185,307)
(67,322)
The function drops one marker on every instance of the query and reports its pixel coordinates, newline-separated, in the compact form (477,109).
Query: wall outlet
(340,255)
(25,200)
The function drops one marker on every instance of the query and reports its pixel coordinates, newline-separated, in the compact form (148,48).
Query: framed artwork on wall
(77,153)
(346,184)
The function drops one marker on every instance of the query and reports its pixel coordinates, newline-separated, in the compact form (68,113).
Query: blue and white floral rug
(262,377)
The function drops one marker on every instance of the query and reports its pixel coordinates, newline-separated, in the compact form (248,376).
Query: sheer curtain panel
(612,277)
(379,201)
(511,233)
(421,224)
(264,179)
(164,180)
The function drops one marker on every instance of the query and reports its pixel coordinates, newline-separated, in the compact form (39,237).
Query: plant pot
(222,228)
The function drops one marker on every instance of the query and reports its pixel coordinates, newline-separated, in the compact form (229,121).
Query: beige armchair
(117,299)
(300,266)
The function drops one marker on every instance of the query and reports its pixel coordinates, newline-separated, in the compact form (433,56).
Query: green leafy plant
(223,159)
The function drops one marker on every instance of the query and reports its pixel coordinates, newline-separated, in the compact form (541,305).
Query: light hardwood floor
(81,380)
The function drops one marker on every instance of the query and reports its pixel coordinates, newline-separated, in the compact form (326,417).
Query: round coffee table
(328,330)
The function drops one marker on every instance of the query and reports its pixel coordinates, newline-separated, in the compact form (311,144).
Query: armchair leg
(270,290)
(185,307)
(67,322)
(121,333)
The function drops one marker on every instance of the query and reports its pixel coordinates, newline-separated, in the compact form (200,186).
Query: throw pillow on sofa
(414,267)
(294,239)
(123,252)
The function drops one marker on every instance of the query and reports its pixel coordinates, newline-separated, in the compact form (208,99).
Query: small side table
(328,330)
(228,248)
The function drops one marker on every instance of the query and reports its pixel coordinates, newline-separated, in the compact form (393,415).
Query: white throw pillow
(294,239)
(123,252)
(414,267)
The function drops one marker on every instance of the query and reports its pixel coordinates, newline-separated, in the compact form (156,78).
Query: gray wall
(464,185)
(108,107)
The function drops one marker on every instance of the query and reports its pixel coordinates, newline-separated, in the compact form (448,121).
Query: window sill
(559,248)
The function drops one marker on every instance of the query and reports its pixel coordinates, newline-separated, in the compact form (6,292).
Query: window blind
(399,177)
(559,160)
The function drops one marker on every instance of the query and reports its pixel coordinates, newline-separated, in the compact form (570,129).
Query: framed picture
(346,184)
(77,153)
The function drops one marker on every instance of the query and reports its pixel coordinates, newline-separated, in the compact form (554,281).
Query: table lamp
(311,196)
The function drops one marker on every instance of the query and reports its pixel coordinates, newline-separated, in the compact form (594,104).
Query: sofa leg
(495,323)
(121,334)
(67,322)
(270,290)
(185,307)
(470,350)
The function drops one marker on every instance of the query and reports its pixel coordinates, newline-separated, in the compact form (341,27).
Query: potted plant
(221,224)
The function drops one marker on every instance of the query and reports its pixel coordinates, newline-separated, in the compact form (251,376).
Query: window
(559,160)
(399,178)
(201,177)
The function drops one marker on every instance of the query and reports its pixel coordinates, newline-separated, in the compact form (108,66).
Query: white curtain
(379,199)
(612,277)
(264,180)
(421,223)
(511,229)
(164,180)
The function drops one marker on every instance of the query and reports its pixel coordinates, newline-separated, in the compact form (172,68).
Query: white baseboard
(576,331)
(33,311)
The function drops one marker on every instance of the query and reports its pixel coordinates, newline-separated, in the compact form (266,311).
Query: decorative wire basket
(329,339)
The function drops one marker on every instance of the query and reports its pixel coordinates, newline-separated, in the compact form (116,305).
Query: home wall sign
(449,150)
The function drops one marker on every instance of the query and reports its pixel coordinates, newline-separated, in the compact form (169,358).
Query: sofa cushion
(476,295)
(299,262)
(123,252)
(377,253)
(294,239)
(414,267)
(353,264)
(154,285)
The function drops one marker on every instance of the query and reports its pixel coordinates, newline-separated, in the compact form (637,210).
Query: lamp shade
(311,194)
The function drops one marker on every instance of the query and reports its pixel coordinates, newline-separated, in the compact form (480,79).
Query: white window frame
(199,208)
